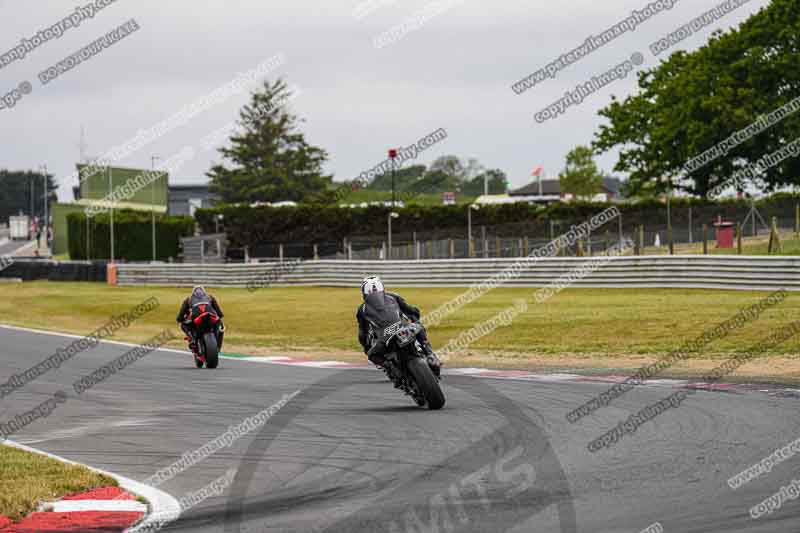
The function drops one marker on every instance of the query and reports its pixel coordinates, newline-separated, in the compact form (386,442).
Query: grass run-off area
(28,478)
(577,328)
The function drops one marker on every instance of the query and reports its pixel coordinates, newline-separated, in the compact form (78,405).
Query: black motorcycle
(208,330)
(407,367)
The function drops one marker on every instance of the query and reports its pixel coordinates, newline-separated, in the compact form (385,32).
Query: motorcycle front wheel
(427,383)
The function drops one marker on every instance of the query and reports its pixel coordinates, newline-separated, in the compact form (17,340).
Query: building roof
(549,186)
(553,187)
(189,186)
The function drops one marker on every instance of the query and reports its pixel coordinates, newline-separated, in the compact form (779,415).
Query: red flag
(537,171)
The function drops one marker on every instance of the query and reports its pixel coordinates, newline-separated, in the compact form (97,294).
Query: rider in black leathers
(380,310)
(198,296)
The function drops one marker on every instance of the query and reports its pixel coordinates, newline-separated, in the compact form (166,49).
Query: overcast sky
(454,72)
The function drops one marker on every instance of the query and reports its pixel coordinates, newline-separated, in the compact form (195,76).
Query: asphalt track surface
(351,454)
(8,246)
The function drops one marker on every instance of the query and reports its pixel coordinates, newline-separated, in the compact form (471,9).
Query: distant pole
(46,212)
(705,239)
(33,187)
(797,220)
(469,223)
(739,238)
(392,156)
(392,215)
(111,200)
(389,253)
(153,203)
(669,217)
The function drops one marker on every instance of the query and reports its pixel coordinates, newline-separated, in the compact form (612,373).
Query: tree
(498,183)
(271,160)
(581,177)
(404,179)
(15,193)
(436,181)
(450,165)
(693,101)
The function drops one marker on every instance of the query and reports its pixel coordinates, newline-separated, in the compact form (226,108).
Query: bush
(132,235)
(248,226)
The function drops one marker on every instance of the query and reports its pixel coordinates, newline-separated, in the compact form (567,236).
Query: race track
(349,453)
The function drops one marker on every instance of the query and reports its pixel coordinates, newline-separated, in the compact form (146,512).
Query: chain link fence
(681,226)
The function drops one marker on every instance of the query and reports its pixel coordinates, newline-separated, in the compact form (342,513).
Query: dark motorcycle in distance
(208,330)
(407,367)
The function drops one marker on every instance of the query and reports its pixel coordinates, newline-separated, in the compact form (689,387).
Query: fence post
(417,247)
(607,249)
(429,246)
(739,238)
(452,247)
(280,252)
(526,247)
(797,220)
(774,237)
(471,248)
(349,250)
(410,252)
(383,250)
(344,247)
(705,239)
(641,240)
(498,246)
(691,240)
(246,254)
(589,242)
(316,253)
(669,239)
(485,242)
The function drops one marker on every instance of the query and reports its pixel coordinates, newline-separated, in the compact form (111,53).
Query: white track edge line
(111,506)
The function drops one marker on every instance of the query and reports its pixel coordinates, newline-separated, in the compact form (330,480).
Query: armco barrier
(688,271)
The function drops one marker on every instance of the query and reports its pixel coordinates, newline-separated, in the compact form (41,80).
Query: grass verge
(29,478)
(578,328)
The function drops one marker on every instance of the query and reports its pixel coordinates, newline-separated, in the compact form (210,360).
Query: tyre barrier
(39,269)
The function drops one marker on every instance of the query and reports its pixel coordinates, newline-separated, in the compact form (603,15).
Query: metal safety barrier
(687,271)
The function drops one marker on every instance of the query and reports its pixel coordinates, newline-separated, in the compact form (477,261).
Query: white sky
(455,72)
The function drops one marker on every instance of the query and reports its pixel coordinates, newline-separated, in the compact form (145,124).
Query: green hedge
(132,235)
(248,226)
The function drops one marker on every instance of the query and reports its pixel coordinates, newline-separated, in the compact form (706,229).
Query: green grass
(590,322)
(28,478)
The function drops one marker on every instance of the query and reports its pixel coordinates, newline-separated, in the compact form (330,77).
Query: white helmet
(370,285)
